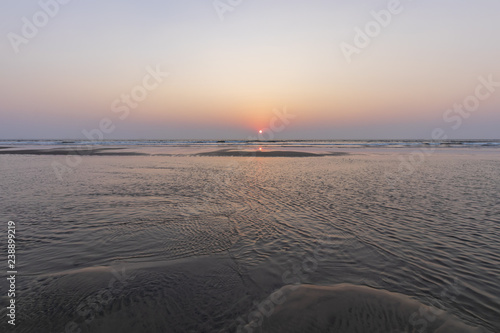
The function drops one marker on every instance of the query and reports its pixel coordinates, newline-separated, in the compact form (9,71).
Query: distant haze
(67,69)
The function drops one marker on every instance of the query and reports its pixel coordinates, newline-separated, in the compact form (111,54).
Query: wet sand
(126,151)
(184,295)
(191,243)
(351,308)
(275,153)
(70,151)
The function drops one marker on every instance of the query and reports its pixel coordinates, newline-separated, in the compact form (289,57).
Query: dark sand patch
(258,153)
(73,151)
(127,151)
(172,296)
(350,308)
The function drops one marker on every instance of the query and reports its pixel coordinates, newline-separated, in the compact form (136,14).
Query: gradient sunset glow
(225,77)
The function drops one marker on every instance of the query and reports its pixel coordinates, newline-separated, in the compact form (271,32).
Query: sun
(260,131)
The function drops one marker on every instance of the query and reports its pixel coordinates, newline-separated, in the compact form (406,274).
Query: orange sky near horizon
(233,73)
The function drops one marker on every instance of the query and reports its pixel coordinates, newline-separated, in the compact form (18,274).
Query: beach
(254,237)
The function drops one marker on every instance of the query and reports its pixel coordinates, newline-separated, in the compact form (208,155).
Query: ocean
(252,236)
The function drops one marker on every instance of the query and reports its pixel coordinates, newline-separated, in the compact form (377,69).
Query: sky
(224,69)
